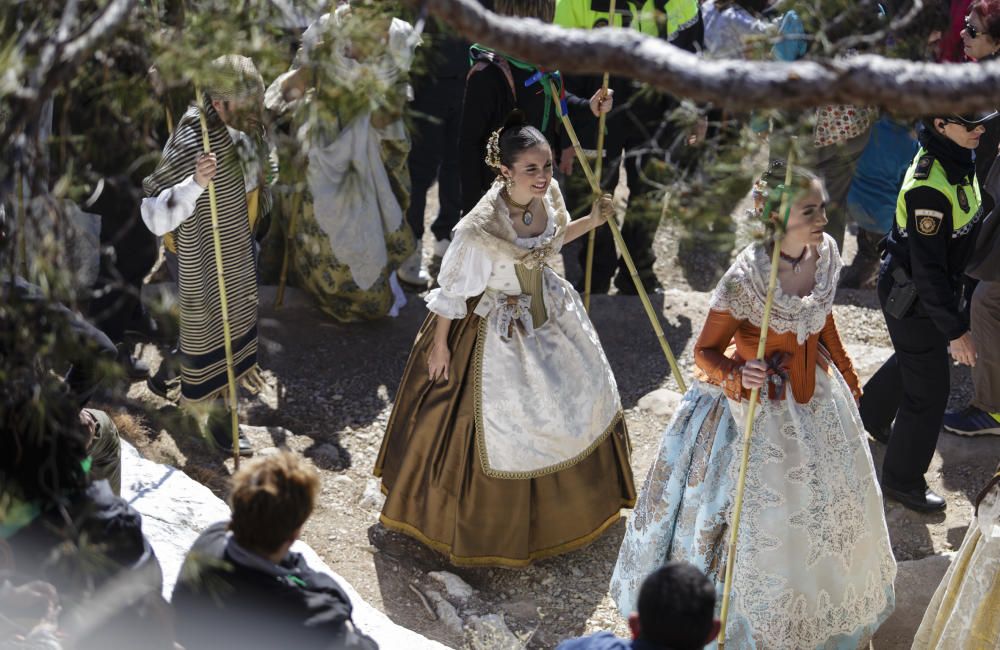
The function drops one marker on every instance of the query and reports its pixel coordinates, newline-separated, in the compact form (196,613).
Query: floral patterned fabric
(349,235)
(839,123)
(814,566)
(965,609)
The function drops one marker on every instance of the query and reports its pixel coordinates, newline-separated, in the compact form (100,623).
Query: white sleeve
(465,270)
(164,212)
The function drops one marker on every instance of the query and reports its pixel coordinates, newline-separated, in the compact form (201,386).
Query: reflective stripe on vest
(938,179)
(678,15)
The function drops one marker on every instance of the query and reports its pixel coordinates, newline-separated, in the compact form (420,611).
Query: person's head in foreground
(271,499)
(676,609)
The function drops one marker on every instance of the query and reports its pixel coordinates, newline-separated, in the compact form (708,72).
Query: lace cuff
(446,305)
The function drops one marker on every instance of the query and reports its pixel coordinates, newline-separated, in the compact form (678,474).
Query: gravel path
(329,396)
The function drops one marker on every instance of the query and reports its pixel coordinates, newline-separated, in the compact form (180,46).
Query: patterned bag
(839,123)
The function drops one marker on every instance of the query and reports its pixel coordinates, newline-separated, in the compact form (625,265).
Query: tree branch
(903,86)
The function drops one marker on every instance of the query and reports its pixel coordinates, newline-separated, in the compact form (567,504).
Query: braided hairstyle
(512,139)
(770,188)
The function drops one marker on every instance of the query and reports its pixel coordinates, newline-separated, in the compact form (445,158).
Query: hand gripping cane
(754,394)
(616,232)
(227,336)
(592,235)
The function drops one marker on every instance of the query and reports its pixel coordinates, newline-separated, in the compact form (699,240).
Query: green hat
(234,77)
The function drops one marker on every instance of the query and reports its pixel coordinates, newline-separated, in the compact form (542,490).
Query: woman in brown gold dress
(507,443)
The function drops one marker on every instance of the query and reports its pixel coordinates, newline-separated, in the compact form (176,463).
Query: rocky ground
(329,394)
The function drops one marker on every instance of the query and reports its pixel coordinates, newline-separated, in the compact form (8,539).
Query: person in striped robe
(177,203)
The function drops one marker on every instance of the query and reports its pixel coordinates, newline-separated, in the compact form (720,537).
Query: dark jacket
(985,262)
(221,601)
(935,257)
(489,99)
(92,550)
(986,152)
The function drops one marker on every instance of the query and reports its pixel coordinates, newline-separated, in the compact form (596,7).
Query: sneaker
(135,368)
(971,422)
(413,271)
(441,247)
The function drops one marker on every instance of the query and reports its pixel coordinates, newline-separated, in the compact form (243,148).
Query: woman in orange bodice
(814,566)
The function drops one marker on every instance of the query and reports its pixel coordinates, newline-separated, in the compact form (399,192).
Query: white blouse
(468,270)
(173,206)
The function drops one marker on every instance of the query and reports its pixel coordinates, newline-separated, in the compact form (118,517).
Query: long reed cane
(279,297)
(217,242)
(752,404)
(598,164)
(616,232)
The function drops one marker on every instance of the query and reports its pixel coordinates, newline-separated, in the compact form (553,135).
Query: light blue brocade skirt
(814,567)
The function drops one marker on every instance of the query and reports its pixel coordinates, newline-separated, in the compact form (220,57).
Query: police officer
(636,127)
(920,288)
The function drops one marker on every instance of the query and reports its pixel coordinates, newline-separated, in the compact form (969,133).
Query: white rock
(490,632)
(447,614)
(456,588)
(343,481)
(372,499)
(867,359)
(175,509)
(661,402)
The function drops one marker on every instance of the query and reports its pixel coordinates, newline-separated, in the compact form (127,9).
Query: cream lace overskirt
(814,567)
(548,396)
(965,610)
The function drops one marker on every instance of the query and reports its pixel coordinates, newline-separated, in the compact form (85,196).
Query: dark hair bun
(515,118)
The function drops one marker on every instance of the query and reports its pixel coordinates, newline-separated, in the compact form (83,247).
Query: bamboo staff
(784,210)
(592,236)
(227,337)
(279,297)
(616,232)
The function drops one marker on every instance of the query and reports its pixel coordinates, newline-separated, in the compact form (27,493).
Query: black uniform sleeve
(478,119)
(928,230)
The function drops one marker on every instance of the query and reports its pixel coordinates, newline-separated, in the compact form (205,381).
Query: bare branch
(903,86)
(55,70)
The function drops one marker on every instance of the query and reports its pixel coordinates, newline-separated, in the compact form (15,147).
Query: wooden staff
(227,337)
(616,232)
(785,209)
(592,236)
(279,297)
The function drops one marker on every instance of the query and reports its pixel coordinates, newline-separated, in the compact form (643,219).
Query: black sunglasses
(970,30)
(968,127)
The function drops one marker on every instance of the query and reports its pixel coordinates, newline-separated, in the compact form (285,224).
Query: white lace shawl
(742,292)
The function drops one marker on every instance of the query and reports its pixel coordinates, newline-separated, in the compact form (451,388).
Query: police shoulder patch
(928,222)
(924,165)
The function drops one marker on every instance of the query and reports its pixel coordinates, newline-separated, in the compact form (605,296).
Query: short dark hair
(676,607)
(271,499)
(516,137)
(989,13)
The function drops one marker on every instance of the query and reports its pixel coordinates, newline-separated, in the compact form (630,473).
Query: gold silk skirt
(436,489)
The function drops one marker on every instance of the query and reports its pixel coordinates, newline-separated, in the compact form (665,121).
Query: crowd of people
(507,442)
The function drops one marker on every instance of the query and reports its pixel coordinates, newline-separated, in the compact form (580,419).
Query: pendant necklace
(794,261)
(526,217)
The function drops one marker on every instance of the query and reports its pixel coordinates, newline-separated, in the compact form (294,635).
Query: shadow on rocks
(631,345)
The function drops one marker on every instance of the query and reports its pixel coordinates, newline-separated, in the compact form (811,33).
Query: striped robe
(203,354)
